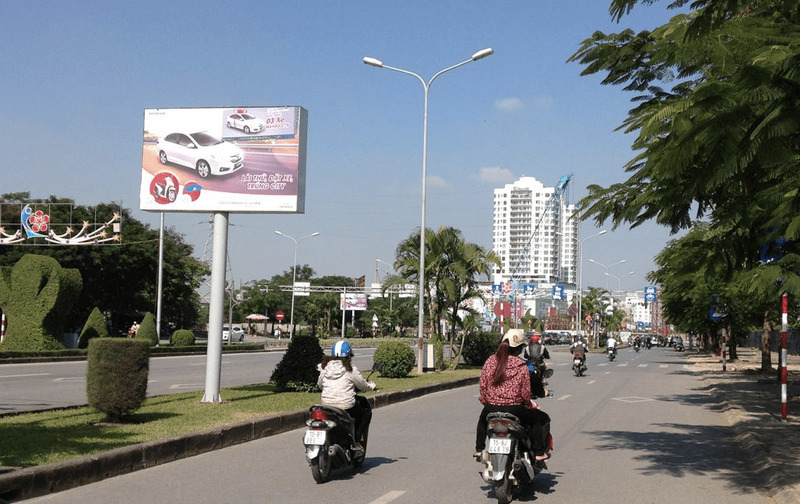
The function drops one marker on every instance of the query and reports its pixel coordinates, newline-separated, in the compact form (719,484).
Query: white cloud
(434,181)
(508,104)
(494,175)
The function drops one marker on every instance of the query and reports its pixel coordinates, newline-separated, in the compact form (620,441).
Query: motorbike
(612,353)
(578,364)
(678,345)
(330,439)
(636,345)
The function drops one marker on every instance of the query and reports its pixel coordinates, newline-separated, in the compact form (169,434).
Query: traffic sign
(279,316)
(502,309)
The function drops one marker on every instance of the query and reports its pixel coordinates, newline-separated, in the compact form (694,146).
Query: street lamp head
(602,232)
(278,233)
(315,234)
(475,57)
(378,63)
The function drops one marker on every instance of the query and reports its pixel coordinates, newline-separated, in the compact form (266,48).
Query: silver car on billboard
(200,151)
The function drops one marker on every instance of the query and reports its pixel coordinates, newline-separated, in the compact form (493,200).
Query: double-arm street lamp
(579,317)
(608,267)
(426,87)
(294,275)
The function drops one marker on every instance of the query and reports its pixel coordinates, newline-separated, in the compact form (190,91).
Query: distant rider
(580,349)
(611,344)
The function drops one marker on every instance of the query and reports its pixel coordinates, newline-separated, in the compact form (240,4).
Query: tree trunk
(766,354)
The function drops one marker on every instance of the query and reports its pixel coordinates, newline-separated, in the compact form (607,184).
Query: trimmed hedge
(181,337)
(147,330)
(297,370)
(37,295)
(480,346)
(396,358)
(116,375)
(95,327)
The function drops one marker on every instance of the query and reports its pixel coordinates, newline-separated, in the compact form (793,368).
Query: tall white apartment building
(533,234)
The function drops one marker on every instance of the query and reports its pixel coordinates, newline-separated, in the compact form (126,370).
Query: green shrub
(37,295)
(396,358)
(181,337)
(480,346)
(95,327)
(147,330)
(437,340)
(297,371)
(116,375)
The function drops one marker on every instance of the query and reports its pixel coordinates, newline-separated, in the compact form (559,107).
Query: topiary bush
(95,327)
(297,371)
(396,358)
(181,337)
(147,330)
(480,346)
(37,295)
(116,375)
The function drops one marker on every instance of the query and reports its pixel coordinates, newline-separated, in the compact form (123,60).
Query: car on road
(245,122)
(232,335)
(200,151)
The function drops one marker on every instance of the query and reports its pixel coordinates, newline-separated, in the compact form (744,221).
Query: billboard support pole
(216,309)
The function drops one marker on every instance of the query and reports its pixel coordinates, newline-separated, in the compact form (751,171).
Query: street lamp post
(608,267)
(294,275)
(426,87)
(579,317)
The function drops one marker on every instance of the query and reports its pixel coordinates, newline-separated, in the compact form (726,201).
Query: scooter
(330,439)
(637,345)
(578,364)
(612,353)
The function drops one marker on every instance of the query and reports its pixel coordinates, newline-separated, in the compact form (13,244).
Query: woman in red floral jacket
(505,386)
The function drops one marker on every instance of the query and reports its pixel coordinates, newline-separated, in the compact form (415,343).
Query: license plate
(314,437)
(499,445)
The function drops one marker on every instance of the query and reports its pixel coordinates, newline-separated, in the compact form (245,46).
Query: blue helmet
(341,349)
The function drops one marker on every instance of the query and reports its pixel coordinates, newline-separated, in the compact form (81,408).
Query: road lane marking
(624,364)
(590,382)
(662,366)
(184,385)
(71,379)
(561,398)
(389,497)
(24,375)
(642,365)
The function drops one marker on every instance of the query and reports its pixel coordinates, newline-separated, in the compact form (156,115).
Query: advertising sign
(355,301)
(234,159)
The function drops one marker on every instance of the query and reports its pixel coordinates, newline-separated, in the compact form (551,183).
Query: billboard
(232,159)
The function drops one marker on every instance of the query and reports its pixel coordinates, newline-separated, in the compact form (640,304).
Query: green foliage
(437,340)
(181,337)
(37,295)
(298,368)
(396,357)
(479,347)
(95,327)
(116,375)
(147,330)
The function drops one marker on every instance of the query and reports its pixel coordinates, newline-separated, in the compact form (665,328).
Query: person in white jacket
(339,381)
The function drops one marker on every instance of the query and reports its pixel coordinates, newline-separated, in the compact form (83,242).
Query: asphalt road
(639,430)
(38,386)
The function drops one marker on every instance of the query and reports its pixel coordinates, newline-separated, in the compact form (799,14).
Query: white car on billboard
(200,151)
(245,122)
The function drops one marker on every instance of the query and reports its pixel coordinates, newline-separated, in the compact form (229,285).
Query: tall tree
(722,144)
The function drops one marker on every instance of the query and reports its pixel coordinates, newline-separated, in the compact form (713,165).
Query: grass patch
(33,439)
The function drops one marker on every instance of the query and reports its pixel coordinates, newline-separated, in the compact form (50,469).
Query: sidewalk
(751,404)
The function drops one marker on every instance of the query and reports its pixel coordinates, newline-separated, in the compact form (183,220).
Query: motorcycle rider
(505,386)
(339,381)
(580,348)
(535,354)
(611,344)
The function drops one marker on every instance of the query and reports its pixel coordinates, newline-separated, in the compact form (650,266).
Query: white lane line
(624,364)
(183,385)
(24,375)
(642,365)
(590,382)
(561,398)
(662,366)
(71,379)
(389,497)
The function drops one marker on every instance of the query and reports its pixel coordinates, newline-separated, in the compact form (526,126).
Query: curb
(36,481)
(773,473)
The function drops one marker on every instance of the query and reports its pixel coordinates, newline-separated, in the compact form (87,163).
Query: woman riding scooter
(339,379)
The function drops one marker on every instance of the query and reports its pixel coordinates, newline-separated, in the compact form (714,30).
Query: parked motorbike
(612,353)
(578,364)
(330,439)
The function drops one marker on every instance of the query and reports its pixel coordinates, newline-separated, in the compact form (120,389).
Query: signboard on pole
(232,159)
(302,288)
(355,301)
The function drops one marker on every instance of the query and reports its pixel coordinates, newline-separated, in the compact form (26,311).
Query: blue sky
(77,76)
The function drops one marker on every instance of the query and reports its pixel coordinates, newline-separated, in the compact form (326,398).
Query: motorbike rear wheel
(502,491)
(321,465)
